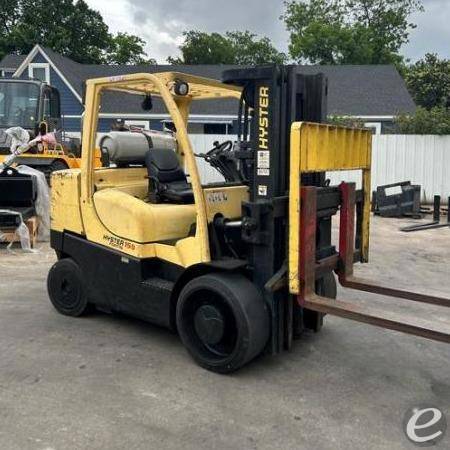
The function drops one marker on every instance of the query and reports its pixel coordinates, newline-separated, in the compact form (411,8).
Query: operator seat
(167,180)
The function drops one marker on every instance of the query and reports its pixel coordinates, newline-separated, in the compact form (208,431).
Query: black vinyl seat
(167,180)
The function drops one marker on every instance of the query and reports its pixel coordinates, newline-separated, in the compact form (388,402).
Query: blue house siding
(6,73)
(69,103)
(104,125)
(72,125)
(156,124)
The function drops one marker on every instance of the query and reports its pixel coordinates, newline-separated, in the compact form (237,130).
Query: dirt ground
(109,382)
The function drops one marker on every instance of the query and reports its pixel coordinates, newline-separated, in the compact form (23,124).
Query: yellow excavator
(34,107)
(237,268)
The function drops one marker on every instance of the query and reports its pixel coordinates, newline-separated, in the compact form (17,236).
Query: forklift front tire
(66,288)
(223,321)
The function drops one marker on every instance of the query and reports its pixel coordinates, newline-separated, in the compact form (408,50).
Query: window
(39,71)
(18,104)
(374,126)
(51,104)
(144,124)
(215,128)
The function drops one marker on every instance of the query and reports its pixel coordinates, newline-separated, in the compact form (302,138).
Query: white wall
(423,160)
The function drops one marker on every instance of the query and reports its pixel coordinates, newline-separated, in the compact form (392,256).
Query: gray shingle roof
(11,61)
(363,90)
(375,90)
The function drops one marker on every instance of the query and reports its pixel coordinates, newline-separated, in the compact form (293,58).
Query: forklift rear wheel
(222,321)
(66,288)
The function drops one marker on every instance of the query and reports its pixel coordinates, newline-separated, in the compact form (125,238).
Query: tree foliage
(70,28)
(128,49)
(249,50)
(433,121)
(348,31)
(428,80)
(233,47)
(346,121)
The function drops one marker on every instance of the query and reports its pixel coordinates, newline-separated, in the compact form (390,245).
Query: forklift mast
(278,96)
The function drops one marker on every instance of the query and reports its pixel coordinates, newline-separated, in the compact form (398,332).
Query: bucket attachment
(304,265)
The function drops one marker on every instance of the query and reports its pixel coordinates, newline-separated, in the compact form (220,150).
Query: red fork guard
(343,266)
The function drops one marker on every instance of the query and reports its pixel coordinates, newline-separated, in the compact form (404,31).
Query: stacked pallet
(11,235)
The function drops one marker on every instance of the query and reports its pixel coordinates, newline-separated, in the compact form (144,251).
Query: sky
(161,22)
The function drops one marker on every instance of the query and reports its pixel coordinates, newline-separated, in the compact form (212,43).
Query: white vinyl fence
(202,143)
(423,160)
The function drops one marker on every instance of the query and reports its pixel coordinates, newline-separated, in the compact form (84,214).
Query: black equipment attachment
(397,200)
(436,222)
(18,194)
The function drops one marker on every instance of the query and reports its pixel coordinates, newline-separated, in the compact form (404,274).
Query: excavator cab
(239,267)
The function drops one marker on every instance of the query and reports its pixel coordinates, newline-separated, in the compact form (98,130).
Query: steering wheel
(19,112)
(225,146)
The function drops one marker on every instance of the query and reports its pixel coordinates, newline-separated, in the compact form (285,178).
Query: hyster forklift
(236,268)
(35,106)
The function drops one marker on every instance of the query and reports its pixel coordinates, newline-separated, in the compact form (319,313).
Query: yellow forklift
(237,268)
(35,107)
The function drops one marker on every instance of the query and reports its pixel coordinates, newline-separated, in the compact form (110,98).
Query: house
(9,64)
(373,93)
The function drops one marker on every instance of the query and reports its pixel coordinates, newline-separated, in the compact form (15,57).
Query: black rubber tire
(58,165)
(325,287)
(53,167)
(247,324)
(66,288)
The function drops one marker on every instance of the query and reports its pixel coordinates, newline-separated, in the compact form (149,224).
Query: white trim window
(39,71)
(375,126)
(144,124)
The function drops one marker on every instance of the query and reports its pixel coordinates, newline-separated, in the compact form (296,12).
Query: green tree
(127,49)
(9,14)
(433,121)
(70,28)
(249,50)
(428,80)
(346,121)
(233,47)
(204,48)
(348,31)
